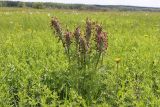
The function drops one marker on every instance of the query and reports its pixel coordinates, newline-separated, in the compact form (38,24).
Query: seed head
(82,45)
(88,30)
(105,40)
(56,25)
(101,39)
(77,34)
(67,36)
(98,29)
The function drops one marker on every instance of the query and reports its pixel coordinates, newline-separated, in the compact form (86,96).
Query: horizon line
(85,4)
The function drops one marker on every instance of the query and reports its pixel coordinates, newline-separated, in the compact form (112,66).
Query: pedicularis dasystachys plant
(86,49)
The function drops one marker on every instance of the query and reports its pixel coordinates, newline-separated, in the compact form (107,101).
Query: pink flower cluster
(82,42)
(101,39)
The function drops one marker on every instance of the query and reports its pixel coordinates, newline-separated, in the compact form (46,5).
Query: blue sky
(146,3)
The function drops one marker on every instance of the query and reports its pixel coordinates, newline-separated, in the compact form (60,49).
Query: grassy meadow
(34,70)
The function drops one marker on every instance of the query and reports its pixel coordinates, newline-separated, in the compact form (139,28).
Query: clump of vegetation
(86,49)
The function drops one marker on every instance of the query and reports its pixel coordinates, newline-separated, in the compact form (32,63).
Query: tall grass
(34,71)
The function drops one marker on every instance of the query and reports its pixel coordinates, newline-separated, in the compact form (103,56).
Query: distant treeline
(42,5)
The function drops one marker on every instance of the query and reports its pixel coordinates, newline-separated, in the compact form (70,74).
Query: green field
(34,70)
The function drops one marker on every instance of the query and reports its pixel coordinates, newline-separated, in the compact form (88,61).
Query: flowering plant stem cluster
(84,48)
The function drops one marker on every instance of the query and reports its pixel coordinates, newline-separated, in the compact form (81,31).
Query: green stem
(99,56)
(78,59)
(102,59)
(117,67)
(84,61)
(68,56)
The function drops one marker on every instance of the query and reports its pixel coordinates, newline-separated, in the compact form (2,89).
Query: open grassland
(34,69)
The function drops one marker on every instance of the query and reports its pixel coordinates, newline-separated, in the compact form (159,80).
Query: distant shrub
(38,5)
(21,4)
(1,4)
